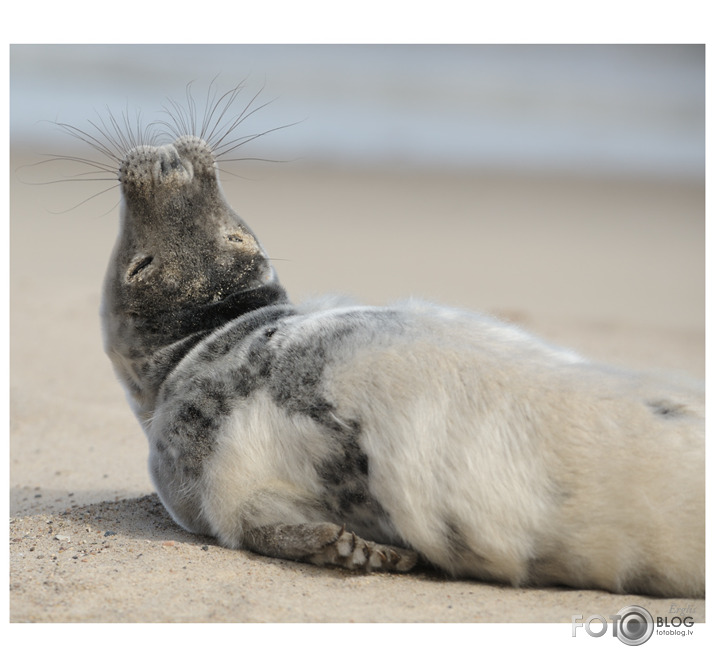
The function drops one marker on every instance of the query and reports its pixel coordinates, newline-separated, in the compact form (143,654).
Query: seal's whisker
(245,114)
(84,201)
(145,136)
(75,179)
(102,168)
(89,139)
(191,108)
(179,124)
(253,159)
(225,129)
(135,134)
(115,138)
(173,128)
(128,128)
(184,119)
(188,129)
(210,105)
(241,141)
(235,143)
(225,104)
(113,134)
(225,172)
(170,131)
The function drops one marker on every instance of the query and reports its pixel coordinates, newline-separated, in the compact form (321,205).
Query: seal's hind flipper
(327,544)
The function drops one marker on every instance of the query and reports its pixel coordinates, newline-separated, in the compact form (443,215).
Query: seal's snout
(170,161)
(169,168)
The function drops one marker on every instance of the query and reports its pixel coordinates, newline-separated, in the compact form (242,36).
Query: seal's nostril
(170,162)
(169,168)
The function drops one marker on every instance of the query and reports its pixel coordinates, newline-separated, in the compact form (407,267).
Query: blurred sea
(601,109)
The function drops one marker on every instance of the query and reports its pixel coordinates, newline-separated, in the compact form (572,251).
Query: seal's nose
(169,167)
(169,161)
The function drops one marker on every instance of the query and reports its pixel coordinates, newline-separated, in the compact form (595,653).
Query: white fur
(539,456)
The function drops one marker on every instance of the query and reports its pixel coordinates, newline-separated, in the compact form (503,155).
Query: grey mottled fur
(361,437)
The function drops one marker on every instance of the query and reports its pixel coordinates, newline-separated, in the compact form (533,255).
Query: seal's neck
(144,350)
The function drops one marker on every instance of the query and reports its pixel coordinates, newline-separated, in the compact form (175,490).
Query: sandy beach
(613,269)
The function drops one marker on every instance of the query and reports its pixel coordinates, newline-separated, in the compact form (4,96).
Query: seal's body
(362,437)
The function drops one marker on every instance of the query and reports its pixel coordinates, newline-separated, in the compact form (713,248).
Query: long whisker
(254,159)
(84,201)
(89,139)
(225,101)
(210,105)
(242,116)
(79,160)
(241,141)
(75,179)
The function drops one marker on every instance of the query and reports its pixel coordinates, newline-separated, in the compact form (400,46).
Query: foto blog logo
(633,625)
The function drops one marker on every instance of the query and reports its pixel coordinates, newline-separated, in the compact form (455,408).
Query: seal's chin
(169,169)
(269,277)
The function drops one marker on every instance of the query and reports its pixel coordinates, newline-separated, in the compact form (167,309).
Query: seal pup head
(180,244)
(181,248)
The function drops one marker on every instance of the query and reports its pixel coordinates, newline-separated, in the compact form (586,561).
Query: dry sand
(613,269)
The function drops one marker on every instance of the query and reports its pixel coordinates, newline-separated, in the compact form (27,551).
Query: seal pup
(371,437)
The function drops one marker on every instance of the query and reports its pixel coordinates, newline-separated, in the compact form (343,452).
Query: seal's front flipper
(327,544)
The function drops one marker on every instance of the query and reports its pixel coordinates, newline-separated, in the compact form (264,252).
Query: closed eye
(235,238)
(139,266)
